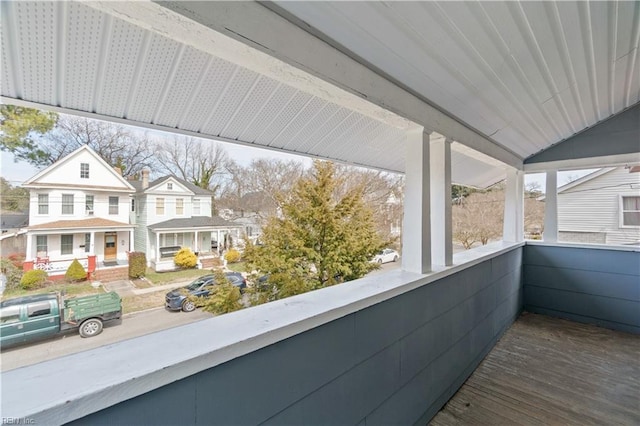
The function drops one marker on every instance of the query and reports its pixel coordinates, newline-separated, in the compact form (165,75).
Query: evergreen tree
(319,239)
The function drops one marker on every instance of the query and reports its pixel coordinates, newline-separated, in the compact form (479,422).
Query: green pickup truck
(28,318)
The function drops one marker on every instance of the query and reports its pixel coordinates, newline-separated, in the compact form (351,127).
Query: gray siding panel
(396,362)
(596,286)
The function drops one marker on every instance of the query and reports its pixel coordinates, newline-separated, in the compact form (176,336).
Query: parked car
(386,255)
(28,318)
(179,299)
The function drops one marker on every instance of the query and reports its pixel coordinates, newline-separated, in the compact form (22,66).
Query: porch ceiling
(508,71)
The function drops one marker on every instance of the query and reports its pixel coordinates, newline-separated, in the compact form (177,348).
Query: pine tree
(319,239)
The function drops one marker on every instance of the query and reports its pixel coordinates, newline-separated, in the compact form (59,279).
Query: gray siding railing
(395,362)
(591,285)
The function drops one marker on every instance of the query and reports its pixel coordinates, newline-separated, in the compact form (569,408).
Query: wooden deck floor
(547,371)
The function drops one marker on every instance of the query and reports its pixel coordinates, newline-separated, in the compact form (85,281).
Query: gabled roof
(190,186)
(33,181)
(194,222)
(585,178)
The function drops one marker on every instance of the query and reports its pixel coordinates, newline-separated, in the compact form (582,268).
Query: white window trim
(621,210)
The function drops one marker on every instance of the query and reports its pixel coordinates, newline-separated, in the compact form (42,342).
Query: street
(133,325)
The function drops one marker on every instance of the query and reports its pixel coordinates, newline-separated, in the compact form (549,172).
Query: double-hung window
(67,203)
(113,205)
(41,245)
(88,204)
(66,244)
(84,170)
(43,203)
(160,206)
(179,206)
(630,210)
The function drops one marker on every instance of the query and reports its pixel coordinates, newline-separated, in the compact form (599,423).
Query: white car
(386,255)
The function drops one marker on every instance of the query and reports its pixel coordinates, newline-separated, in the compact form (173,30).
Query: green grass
(161,278)
(74,289)
(237,267)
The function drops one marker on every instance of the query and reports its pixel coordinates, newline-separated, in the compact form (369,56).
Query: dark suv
(178,298)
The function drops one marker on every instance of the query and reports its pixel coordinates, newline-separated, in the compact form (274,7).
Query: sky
(18,172)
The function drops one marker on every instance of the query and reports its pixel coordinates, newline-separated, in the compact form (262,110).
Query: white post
(550,232)
(196,242)
(131,240)
(92,244)
(441,242)
(514,207)
(157,254)
(29,254)
(416,228)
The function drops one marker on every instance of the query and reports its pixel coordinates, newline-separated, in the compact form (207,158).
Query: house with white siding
(601,208)
(78,207)
(170,213)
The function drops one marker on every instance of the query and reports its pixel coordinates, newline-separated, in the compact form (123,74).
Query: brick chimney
(145,178)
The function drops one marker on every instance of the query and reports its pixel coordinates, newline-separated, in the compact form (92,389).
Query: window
(169,240)
(43,203)
(10,314)
(113,205)
(179,206)
(66,244)
(196,207)
(133,205)
(169,186)
(38,309)
(160,206)
(41,245)
(87,243)
(67,203)
(180,240)
(630,211)
(88,204)
(84,170)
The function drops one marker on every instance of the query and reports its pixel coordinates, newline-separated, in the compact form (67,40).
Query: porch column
(92,243)
(441,242)
(29,253)
(416,227)
(514,207)
(195,243)
(550,232)
(157,253)
(131,241)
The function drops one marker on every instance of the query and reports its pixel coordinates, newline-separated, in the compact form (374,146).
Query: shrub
(185,258)
(17,259)
(232,256)
(223,298)
(137,264)
(33,279)
(75,272)
(12,273)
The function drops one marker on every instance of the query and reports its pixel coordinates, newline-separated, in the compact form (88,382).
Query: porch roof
(91,223)
(196,222)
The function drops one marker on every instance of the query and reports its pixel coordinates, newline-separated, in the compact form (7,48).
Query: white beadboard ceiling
(526,75)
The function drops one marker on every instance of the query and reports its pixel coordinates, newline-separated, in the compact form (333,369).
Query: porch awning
(82,224)
(198,223)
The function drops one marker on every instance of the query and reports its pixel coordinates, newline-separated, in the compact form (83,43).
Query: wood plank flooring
(548,371)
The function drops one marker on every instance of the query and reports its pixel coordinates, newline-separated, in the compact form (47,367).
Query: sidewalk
(126,288)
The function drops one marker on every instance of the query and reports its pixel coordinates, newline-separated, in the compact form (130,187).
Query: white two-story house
(171,213)
(79,207)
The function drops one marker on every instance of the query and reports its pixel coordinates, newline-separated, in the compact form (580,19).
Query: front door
(110,247)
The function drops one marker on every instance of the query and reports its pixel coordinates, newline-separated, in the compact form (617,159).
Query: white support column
(514,207)
(157,251)
(92,244)
(416,228)
(550,232)
(441,243)
(196,243)
(131,241)
(29,254)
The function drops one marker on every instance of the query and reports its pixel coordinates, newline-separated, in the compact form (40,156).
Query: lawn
(237,266)
(70,289)
(143,301)
(161,278)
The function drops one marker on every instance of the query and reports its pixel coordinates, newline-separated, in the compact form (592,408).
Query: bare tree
(478,218)
(116,144)
(203,163)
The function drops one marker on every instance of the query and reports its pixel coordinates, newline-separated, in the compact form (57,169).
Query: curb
(133,314)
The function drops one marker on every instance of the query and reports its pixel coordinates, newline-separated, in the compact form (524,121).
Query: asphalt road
(134,325)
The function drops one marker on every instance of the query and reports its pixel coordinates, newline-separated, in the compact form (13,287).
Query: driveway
(132,325)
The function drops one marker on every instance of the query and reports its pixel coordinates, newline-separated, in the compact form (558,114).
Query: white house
(171,213)
(78,206)
(602,207)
